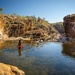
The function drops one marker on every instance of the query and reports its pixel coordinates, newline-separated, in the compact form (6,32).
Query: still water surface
(43,59)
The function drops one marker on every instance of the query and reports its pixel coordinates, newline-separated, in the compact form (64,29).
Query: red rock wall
(69,25)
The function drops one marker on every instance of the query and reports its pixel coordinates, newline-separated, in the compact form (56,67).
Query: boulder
(6,69)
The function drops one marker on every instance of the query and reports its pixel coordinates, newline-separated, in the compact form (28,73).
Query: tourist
(19,47)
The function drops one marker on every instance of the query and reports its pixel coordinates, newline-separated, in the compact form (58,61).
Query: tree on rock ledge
(1,9)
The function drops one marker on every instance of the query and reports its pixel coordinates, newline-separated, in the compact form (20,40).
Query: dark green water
(45,59)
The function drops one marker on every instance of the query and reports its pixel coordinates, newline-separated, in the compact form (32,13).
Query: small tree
(1,9)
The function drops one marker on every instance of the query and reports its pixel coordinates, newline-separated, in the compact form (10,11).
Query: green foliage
(1,9)
(59,26)
(17,25)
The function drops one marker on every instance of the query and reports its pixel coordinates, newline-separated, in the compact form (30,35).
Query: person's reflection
(19,47)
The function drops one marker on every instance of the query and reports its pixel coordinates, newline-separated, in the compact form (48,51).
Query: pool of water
(43,59)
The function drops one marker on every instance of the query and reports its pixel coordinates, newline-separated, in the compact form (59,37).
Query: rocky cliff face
(26,27)
(10,70)
(69,25)
(59,27)
(1,26)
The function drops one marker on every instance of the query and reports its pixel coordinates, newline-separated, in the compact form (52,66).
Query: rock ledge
(6,69)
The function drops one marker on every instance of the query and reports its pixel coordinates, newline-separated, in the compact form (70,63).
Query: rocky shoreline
(49,39)
(53,37)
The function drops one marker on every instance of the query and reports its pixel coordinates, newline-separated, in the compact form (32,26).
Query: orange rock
(10,70)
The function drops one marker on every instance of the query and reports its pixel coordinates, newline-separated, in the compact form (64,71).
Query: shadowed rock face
(69,25)
(10,70)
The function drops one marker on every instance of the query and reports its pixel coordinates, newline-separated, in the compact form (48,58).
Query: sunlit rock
(1,34)
(10,70)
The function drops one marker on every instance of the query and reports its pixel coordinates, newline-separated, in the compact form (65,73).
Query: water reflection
(8,45)
(1,45)
(44,59)
(69,49)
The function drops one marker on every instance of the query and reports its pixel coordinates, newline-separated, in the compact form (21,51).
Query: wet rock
(10,70)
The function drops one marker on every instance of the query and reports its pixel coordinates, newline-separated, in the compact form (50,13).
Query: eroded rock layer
(69,25)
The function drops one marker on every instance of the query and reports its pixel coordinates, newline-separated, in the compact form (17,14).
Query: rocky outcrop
(27,27)
(10,70)
(1,27)
(69,25)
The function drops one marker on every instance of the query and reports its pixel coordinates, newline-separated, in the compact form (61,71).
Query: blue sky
(51,10)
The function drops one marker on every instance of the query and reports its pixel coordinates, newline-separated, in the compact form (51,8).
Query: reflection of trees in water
(13,44)
(69,49)
(1,45)
(29,42)
(25,61)
(8,45)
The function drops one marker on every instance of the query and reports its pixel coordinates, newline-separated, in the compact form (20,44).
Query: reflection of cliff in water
(69,49)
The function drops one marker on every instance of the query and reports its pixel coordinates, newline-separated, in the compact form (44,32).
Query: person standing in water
(19,47)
